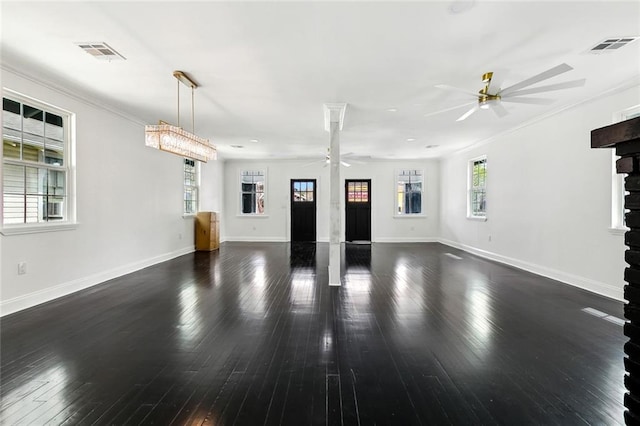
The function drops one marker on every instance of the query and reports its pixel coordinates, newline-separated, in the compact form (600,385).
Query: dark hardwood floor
(253,335)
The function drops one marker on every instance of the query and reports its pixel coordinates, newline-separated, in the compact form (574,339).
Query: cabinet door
(215,235)
(203,231)
(207,236)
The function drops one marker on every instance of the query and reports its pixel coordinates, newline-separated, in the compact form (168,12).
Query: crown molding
(612,91)
(84,98)
(334,112)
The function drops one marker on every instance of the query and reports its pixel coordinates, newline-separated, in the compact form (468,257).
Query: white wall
(275,226)
(211,186)
(129,208)
(548,203)
(548,199)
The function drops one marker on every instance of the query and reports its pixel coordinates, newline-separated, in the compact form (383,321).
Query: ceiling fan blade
(534,101)
(468,113)
(457,89)
(557,70)
(429,114)
(352,158)
(498,109)
(311,163)
(344,163)
(549,88)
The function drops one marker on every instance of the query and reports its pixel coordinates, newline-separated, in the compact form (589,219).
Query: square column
(333,120)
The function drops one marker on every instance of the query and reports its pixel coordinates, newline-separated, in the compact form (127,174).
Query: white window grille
(36,166)
(477,201)
(252,192)
(409,185)
(191,186)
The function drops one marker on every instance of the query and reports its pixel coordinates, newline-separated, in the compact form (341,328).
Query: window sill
(618,231)
(189,216)
(253,216)
(410,216)
(477,218)
(34,229)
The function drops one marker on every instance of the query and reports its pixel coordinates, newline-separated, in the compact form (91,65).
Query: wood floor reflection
(253,334)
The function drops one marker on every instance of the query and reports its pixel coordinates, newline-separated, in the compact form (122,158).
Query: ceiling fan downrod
(484,96)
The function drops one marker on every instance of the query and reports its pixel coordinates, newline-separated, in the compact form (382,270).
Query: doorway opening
(303,210)
(358,210)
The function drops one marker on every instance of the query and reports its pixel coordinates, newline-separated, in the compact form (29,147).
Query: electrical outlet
(22,268)
(489,238)
(180,236)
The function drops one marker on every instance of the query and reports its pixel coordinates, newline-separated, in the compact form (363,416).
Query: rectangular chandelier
(175,139)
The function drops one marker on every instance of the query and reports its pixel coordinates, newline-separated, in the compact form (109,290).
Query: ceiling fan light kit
(492,97)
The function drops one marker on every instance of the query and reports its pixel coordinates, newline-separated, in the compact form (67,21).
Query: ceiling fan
(345,159)
(492,95)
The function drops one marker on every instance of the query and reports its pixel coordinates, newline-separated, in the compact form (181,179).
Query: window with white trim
(617,180)
(617,195)
(191,185)
(408,192)
(36,166)
(252,192)
(477,188)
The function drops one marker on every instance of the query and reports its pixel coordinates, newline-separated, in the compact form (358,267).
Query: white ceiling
(266,68)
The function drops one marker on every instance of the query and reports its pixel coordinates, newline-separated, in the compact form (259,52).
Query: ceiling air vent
(613,43)
(101,50)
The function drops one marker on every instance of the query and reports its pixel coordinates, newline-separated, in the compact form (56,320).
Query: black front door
(358,209)
(303,209)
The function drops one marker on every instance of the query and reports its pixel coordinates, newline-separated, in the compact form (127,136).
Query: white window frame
(195,188)
(408,172)
(69,220)
(241,192)
(470,188)
(617,180)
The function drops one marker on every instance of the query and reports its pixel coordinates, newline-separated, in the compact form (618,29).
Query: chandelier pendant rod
(193,120)
(178,82)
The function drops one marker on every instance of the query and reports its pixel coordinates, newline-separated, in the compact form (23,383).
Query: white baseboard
(32,299)
(406,240)
(593,286)
(326,240)
(256,239)
(37,297)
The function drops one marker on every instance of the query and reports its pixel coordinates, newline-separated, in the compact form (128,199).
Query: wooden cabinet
(207,231)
